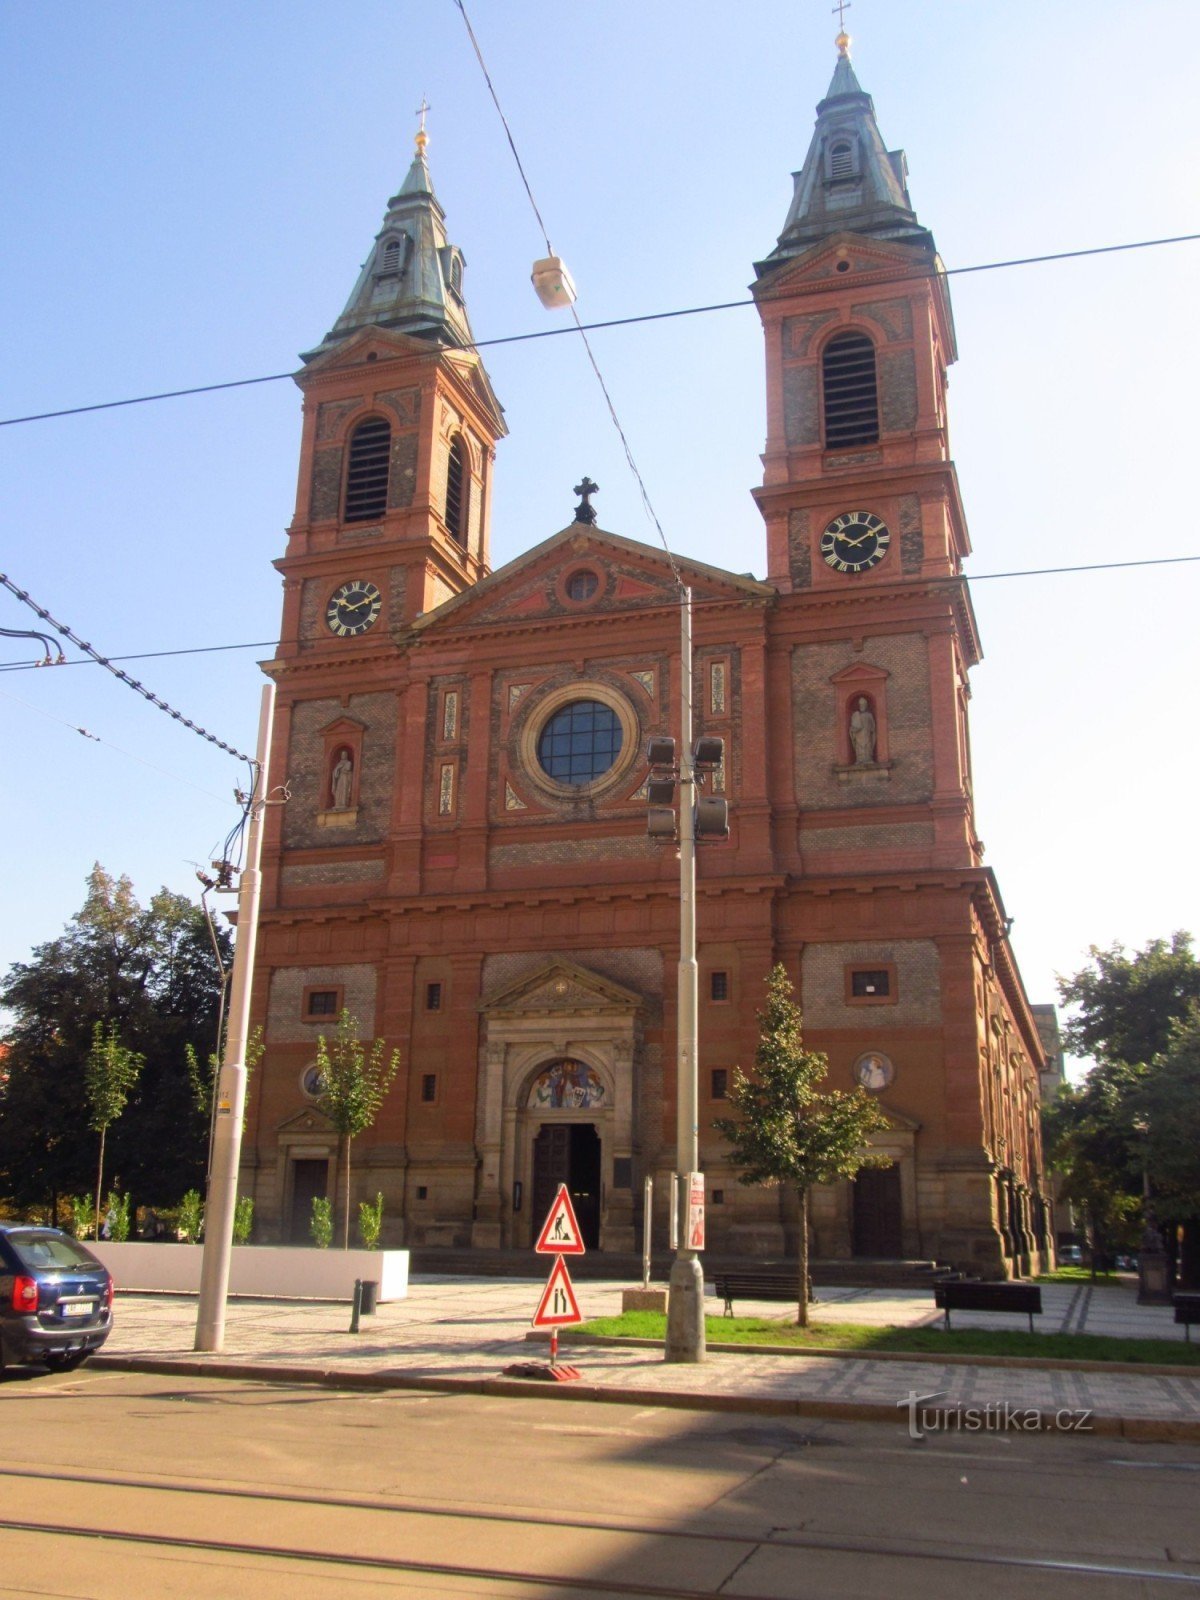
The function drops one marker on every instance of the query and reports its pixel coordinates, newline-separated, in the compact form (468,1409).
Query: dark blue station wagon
(55,1298)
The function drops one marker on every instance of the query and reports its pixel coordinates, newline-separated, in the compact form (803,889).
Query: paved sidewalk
(460,1333)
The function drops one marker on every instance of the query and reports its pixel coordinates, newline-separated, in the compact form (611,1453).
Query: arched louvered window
(841,159)
(367,470)
(851,398)
(457,491)
(393,256)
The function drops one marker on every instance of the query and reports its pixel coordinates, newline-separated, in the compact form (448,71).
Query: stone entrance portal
(568,1153)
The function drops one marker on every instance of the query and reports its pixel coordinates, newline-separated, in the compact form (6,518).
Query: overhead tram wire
(611,322)
(132,683)
(647,504)
(697,605)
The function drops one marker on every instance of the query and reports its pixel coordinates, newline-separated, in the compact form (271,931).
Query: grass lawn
(1076,1275)
(823,1335)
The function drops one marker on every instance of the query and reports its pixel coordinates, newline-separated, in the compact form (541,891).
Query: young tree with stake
(109,1077)
(786,1131)
(354,1082)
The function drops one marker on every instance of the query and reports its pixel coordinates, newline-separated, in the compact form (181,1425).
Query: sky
(191,188)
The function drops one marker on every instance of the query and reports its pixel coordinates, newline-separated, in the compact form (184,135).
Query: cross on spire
(422,137)
(585,512)
(843,39)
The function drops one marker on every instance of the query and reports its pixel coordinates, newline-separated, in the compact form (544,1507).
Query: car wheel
(64,1361)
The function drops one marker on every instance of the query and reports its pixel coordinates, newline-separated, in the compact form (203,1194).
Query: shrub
(117,1217)
(321,1223)
(243,1219)
(370,1222)
(190,1224)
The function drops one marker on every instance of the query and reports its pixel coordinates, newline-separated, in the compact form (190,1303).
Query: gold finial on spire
(843,39)
(422,137)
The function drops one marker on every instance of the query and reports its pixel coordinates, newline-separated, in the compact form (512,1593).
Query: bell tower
(865,525)
(399,434)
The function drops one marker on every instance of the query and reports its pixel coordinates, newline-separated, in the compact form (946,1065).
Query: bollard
(356,1305)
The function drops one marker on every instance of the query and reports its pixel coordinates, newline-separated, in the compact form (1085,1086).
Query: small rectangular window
(718,986)
(719,1083)
(433,997)
(422,1192)
(718,1197)
(322,1002)
(871,986)
(429,1087)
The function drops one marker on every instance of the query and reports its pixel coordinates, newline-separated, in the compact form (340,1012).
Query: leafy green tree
(151,971)
(786,1130)
(109,1076)
(355,1080)
(1136,1117)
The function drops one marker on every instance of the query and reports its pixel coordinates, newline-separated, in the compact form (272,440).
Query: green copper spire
(849,182)
(412,279)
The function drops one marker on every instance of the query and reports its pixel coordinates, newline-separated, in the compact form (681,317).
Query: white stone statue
(342,782)
(862,733)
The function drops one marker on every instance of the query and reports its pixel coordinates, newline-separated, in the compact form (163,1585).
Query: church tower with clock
(464,867)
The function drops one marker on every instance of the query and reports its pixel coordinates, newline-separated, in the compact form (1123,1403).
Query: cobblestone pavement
(465,1331)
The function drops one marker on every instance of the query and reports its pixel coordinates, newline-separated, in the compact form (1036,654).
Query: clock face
(353,608)
(856,541)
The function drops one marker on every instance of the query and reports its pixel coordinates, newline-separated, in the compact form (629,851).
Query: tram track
(408,1521)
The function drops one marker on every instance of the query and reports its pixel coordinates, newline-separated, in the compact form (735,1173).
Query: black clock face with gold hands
(856,541)
(353,608)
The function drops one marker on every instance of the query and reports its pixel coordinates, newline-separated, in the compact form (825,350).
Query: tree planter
(289,1272)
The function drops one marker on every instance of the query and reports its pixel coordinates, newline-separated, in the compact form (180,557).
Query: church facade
(464,864)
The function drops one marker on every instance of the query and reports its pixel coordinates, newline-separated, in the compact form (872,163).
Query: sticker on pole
(695,1218)
(560,1235)
(558,1303)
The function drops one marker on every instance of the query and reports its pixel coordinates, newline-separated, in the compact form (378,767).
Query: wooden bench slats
(1022,1298)
(762,1285)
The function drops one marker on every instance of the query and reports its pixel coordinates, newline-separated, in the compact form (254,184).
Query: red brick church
(464,862)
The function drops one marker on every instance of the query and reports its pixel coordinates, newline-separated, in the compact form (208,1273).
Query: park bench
(757,1283)
(1187,1311)
(1024,1298)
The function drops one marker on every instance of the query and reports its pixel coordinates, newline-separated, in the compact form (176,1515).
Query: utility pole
(706,817)
(231,1086)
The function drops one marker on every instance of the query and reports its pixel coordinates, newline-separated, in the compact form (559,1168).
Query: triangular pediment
(842,258)
(368,344)
(344,724)
(562,987)
(309,1121)
(899,1120)
(631,575)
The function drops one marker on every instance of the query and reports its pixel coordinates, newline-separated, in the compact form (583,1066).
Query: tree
(109,1076)
(1135,1120)
(149,970)
(787,1131)
(354,1083)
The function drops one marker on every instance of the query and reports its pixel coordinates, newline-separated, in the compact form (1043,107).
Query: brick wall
(918,986)
(358,983)
(305,769)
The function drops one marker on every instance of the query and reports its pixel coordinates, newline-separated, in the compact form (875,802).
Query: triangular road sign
(560,1235)
(558,1303)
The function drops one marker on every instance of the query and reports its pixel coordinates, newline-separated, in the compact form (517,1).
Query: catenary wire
(117,672)
(611,322)
(698,605)
(647,503)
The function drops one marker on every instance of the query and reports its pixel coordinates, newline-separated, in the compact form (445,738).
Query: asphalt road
(123,1486)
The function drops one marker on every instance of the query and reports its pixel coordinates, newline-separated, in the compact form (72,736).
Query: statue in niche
(342,781)
(862,733)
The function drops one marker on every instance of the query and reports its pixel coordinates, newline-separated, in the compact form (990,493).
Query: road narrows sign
(560,1235)
(558,1304)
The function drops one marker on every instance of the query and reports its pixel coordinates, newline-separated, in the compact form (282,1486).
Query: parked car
(1070,1255)
(55,1298)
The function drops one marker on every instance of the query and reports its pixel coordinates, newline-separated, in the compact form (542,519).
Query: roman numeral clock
(353,608)
(855,542)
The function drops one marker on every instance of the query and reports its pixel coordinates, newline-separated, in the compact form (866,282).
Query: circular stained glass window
(580,743)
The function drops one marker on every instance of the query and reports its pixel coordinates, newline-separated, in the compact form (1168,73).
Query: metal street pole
(231,1086)
(685,1299)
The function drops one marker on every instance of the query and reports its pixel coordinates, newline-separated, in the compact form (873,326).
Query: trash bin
(370,1297)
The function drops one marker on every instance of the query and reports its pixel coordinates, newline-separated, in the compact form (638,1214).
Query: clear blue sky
(187,195)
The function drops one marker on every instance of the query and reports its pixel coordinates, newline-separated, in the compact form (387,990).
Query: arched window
(841,159)
(851,398)
(457,491)
(367,470)
(393,255)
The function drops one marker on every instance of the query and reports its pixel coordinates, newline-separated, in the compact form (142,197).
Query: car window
(40,1251)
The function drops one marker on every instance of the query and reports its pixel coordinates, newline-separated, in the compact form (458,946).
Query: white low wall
(293,1273)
